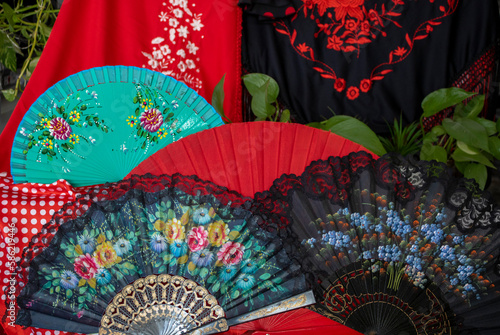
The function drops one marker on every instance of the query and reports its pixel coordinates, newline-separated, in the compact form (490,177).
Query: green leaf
(109,234)
(33,63)
(69,294)
(211,279)
(432,152)
(265,276)
(474,106)
(490,126)
(460,156)
(216,287)
(9,94)
(203,272)
(468,149)
(235,294)
(478,172)
(354,130)
(494,145)
(9,14)
(254,82)
(443,98)
(467,131)
(285,116)
(261,105)
(218,98)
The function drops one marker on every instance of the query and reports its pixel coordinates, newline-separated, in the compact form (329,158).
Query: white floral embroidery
(169,54)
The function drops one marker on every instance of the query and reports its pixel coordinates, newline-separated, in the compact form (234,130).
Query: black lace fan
(166,255)
(394,247)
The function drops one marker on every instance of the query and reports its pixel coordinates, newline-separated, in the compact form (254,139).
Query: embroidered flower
(74,116)
(47,144)
(74,139)
(400,51)
(178,248)
(231,253)
(183,31)
(192,48)
(245,281)
(157,54)
(173,23)
(352,92)
(85,266)
(163,16)
(178,13)
(228,273)
(201,216)
(86,242)
(105,255)
(182,67)
(151,120)
(132,121)
(303,48)
(334,43)
(197,25)
(174,230)
(158,243)
(345,8)
(69,280)
(190,64)
(202,258)
(365,26)
(122,247)
(45,123)
(165,49)
(197,239)
(103,277)
(339,84)
(218,232)
(351,25)
(59,128)
(365,85)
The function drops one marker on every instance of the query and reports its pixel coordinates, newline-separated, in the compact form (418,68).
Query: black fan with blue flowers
(175,254)
(392,246)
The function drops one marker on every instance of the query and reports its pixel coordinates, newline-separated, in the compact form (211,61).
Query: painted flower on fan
(227,273)
(245,281)
(47,144)
(74,139)
(158,243)
(162,133)
(248,266)
(85,266)
(122,247)
(174,230)
(197,239)
(86,242)
(45,123)
(105,255)
(202,258)
(151,120)
(178,248)
(68,280)
(103,276)
(132,121)
(60,128)
(218,233)
(231,253)
(74,116)
(201,216)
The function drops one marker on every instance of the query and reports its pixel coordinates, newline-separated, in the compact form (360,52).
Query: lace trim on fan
(333,179)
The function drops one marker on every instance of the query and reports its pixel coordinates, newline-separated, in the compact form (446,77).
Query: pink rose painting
(59,128)
(231,253)
(85,266)
(197,239)
(151,120)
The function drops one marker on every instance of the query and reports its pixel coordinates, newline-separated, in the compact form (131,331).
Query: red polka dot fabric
(24,210)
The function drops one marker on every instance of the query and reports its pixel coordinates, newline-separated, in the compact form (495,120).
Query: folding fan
(394,247)
(95,126)
(170,254)
(247,157)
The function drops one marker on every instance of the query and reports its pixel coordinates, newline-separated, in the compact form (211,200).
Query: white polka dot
(15,189)
(15,196)
(59,189)
(3,174)
(6,280)
(6,230)
(13,210)
(25,190)
(34,190)
(24,211)
(34,221)
(3,296)
(33,212)
(5,219)
(51,212)
(5,202)
(25,240)
(5,195)
(24,230)
(39,333)
(13,202)
(43,221)
(60,203)
(43,212)
(48,333)
(52,203)
(32,202)
(24,197)
(4,210)
(1,253)
(42,203)
(34,230)
(24,203)
(24,220)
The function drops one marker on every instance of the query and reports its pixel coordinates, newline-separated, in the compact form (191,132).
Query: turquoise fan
(172,255)
(392,246)
(97,125)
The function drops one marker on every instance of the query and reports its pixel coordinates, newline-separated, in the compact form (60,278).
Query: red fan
(247,157)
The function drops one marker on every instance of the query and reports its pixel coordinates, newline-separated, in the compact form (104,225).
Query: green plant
(404,140)
(464,140)
(24,31)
